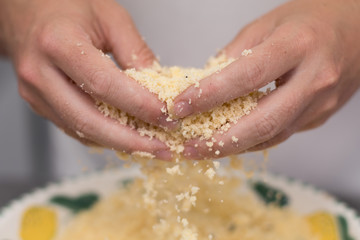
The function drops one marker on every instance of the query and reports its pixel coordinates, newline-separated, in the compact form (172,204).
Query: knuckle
(306,36)
(100,83)
(27,72)
(24,94)
(253,73)
(139,107)
(48,38)
(81,124)
(328,78)
(266,127)
(331,76)
(143,54)
(330,105)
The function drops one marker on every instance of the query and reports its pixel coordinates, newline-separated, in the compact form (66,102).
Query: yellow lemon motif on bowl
(38,223)
(323,225)
(327,226)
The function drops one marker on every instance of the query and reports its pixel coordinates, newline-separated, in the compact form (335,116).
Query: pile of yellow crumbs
(186,200)
(169,82)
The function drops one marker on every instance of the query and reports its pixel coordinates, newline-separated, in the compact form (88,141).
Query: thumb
(122,37)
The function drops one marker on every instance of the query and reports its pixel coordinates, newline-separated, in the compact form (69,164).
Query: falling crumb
(194,190)
(200,92)
(174,170)
(80,134)
(216,164)
(221,182)
(102,53)
(210,173)
(209,144)
(163,109)
(180,197)
(184,222)
(246,52)
(234,139)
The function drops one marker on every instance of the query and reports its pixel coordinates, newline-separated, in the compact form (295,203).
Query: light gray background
(184,33)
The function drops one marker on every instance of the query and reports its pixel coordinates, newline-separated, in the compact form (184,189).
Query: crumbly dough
(167,83)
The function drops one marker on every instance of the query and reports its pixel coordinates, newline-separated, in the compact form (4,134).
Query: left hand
(312,46)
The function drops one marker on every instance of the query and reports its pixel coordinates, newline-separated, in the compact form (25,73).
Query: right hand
(55,44)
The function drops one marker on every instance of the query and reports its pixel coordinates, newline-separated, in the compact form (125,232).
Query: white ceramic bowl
(303,199)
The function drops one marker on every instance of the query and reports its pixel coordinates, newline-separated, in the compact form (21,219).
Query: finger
(98,75)
(249,37)
(274,113)
(78,111)
(310,119)
(281,137)
(122,37)
(39,105)
(269,60)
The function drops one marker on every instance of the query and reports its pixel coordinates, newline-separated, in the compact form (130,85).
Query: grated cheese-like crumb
(167,83)
(234,139)
(194,190)
(210,173)
(185,222)
(217,152)
(209,144)
(174,170)
(142,155)
(216,164)
(246,52)
(221,143)
(80,134)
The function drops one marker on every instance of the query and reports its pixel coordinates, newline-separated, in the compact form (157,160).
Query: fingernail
(191,153)
(182,109)
(164,155)
(166,122)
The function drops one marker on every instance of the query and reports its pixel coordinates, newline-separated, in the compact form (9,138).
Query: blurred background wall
(187,32)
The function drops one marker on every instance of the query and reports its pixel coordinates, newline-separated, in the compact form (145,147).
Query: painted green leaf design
(127,182)
(78,204)
(344,228)
(271,195)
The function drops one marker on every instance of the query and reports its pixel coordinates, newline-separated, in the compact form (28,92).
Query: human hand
(55,49)
(310,47)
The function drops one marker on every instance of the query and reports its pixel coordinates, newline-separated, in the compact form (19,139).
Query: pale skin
(55,48)
(311,46)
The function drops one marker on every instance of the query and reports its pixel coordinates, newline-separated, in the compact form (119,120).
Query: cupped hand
(58,51)
(309,48)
